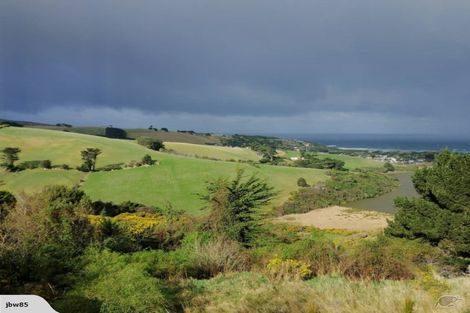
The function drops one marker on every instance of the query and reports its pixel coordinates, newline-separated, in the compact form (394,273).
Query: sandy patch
(337,217)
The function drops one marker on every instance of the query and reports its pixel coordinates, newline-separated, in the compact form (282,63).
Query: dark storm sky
(362,66)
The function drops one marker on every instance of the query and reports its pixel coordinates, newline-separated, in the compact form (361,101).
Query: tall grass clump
(250,292)
(218,255)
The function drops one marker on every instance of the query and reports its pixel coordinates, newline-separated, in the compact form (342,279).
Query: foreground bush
(42,237)
(215,256)
(251,293)
(145,228)
(442,215)
(114,283)
(378,260)
(7,203)
(201,256)
(46,164)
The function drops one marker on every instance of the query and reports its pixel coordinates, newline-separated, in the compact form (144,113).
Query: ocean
(389,142)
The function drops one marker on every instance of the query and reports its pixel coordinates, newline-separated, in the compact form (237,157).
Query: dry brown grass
(217,256)
(325,294)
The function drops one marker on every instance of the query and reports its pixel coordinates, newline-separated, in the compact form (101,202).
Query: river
(384,202)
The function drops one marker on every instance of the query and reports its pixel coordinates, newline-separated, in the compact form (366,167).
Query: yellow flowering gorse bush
(288,269)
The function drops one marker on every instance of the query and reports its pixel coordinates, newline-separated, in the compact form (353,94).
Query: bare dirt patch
(337,217)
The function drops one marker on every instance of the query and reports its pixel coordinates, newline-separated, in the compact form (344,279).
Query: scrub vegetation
(196,235)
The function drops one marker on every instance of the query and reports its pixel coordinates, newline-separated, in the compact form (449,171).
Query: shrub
(114,237)
(7,203)
(442,215)
(378,260)
(234,204)
(301,182)
(134,163)
(42,237)
(388,167)
(112,132)
(219,255)
(323,256)
(46,164)
(111,167)
(147,160)
(150,143)
(279,269)
(111,209)
(117,284)
(149,229)
(28,165)
(89,156)
(9,157)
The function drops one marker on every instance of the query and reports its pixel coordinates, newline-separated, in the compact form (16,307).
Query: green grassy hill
(35,180)
(352,162)
(181,180)
(177,179)
(64,147)
(133,133)
(172,136)
(216,152)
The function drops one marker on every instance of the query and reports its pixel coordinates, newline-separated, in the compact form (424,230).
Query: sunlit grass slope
(177,179)
(64,148)
(216,152)
(352,162)
(181,180)
(34,180)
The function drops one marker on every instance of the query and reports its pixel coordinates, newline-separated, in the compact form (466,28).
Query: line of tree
(113,132)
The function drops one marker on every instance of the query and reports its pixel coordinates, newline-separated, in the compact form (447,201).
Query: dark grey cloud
(267,59)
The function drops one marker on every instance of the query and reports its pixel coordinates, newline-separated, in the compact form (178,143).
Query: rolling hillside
(352,162)
(177,179)
(133,133)
(181,180)
(216,152)
(64,147)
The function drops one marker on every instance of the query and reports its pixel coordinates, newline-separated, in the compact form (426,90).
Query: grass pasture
(64,147)
(173,136)
(34,180)
(177,179)
(216,152)
(180,181)
(352,162)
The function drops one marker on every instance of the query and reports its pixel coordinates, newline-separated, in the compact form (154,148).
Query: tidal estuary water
(384,202)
